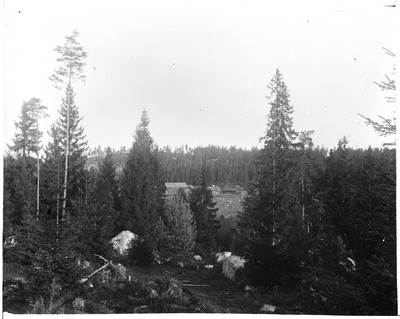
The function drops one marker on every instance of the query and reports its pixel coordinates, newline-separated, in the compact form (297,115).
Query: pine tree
(38,112)
(270,232)
(141,188)
(24,141)
(27,141)
(72,59)
(177,229)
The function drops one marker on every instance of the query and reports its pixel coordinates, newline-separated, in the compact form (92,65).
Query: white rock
(180,264)
(209,266)
(268,308)
(248,288)
(121,242)
(230,265)
(197,257)
(222,256)
(78,304)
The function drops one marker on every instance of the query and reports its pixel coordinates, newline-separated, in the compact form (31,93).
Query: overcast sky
(201,68)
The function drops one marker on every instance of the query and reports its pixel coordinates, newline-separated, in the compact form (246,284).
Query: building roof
(176,185)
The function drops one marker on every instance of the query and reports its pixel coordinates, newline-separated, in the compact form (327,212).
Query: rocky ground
(161,289)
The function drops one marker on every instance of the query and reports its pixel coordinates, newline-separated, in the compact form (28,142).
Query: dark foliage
(141,252)
(142,189)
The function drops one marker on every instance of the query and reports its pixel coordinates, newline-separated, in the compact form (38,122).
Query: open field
(228,204)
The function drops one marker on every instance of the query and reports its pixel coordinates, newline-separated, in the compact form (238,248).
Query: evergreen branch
(388,52)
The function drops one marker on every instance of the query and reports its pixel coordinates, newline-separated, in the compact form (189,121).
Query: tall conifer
(141,187)
(270,226)
(72,60)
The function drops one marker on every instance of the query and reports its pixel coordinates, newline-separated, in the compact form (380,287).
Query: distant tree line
(222,166)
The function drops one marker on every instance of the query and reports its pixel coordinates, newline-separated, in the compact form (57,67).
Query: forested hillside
(317,223)
(222,165)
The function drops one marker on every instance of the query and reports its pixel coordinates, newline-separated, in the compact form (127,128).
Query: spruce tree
(52,171)
(72,134)
(141,188)
(107,183)
(386,126)
(270,234)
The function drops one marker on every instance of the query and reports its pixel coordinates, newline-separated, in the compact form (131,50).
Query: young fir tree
(72,60)
(270,232)
(177,229)
(141,187)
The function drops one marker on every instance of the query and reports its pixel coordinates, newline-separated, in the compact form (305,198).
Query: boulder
(209,266)
(248,288)
(122,241)
(197,258)
(230,265)
(268,308)
(78,304)
(222,256)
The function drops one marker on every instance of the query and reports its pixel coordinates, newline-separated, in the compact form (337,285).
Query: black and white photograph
(199,157)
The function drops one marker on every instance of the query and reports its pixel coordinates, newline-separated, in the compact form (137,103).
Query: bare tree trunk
(302,206)
(38,167)
(273,194)
(66,149)
(58,188)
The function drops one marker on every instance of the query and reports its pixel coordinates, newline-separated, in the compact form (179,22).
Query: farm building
(233,190)
(172,188)
(229,190)
(216,190)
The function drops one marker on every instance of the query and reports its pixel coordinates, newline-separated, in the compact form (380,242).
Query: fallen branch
(141,307)
(195,285)
(93,273)
(102,258)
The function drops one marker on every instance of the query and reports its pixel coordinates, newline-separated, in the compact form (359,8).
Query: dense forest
(315,220)
(222,166)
